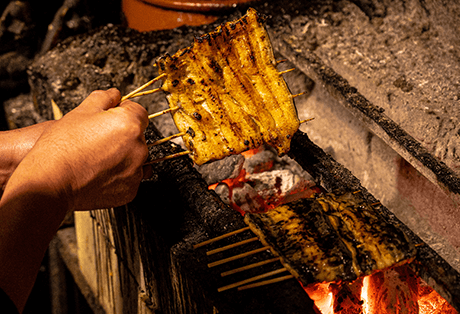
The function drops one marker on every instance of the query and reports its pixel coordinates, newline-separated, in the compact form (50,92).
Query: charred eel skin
(331,238)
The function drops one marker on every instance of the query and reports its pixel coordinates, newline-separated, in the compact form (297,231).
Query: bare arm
(91,158)
(15,145)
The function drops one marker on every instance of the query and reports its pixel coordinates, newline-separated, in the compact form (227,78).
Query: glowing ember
(323,296)
(264,182)
(394,291)
(431,302)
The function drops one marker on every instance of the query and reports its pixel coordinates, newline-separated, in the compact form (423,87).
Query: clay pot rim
(197,5)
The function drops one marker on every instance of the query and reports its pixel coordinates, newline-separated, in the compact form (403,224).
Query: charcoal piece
(226,168)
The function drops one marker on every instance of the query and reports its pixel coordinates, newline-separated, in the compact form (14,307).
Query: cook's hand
(93,156)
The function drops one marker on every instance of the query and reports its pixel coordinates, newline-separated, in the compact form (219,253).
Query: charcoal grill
(148,244)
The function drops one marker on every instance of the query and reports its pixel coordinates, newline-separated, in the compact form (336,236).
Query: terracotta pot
(147,15)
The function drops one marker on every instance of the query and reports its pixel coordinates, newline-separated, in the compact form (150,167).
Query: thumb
(102,100)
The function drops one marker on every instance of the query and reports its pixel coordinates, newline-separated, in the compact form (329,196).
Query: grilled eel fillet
(331,238)
(230,96)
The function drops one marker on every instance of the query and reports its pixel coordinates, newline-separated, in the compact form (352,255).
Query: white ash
(268,179)
(227,168)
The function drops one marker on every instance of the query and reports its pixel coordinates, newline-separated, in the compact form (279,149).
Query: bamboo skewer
(130,95)
(231,246)
(306,120)
(286,71)
(281,61)
(250,266)
(265,282)
(299,94)
(240,283)
(220,237)
(166,139)
(186,152)
(154,115)
(232,258)
(146,92)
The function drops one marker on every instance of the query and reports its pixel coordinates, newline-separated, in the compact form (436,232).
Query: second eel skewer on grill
(329,238)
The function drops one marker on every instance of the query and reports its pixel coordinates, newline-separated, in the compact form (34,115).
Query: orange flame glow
(322,295)
(394,291)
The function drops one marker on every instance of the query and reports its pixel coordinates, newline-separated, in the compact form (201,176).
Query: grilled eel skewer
(226,95)
(331,238)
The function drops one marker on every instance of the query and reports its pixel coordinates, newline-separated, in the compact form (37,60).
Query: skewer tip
(286,71)
(306,120)
(299,94)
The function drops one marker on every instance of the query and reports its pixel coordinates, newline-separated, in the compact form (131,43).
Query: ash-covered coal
(260,180)
(227,168)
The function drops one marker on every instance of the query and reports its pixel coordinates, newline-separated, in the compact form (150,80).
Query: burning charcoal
(261,161)
(431,302)
(247,199)
(390,292)
(275,186)
(224,193)
(347,298)
(227,168)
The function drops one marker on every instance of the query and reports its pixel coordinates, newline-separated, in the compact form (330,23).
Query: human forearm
(15,145)
(30,215)
(91,158)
